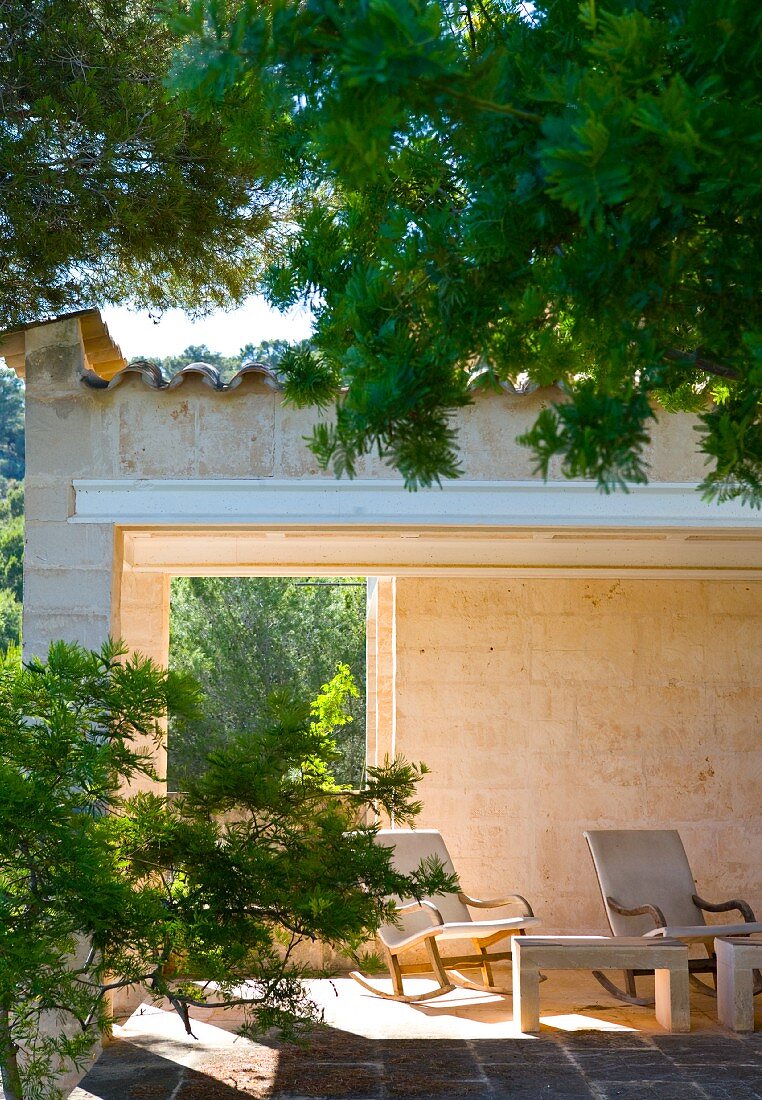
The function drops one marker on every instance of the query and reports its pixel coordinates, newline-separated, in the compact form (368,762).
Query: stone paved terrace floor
(463,1045)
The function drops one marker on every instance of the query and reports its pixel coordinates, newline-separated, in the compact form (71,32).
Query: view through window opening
(243,638)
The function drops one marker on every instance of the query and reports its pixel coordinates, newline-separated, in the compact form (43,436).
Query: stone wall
(193,432)
(68,569)
(543,706)
(73,575)
(546,707)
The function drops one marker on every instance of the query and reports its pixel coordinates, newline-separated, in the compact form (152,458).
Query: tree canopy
(11,426)
(11,565)
(242,638)
(267,352)
(111,190)
(554,192)
(204,901)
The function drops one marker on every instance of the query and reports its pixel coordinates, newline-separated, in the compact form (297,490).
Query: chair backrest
(644,867)
(410,847)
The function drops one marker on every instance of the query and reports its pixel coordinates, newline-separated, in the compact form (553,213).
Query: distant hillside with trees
(11,565)
(11,428)
(270,353)
(244,637)
(11,506)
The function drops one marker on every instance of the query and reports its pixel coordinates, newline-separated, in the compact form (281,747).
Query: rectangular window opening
(244,638)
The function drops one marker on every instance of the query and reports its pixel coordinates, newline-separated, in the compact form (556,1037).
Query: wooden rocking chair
(431,922)
(648,890)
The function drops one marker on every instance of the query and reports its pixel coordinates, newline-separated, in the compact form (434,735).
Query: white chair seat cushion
(705,933)
(482,929)
(396,938)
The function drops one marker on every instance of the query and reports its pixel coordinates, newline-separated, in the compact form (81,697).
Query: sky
(138,334)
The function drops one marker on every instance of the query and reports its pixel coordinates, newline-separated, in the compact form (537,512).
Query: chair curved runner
(445,918)
(648,890)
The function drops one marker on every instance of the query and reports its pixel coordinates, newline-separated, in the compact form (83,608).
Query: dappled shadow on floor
(126,1071)
(558,1065)
(337,1065)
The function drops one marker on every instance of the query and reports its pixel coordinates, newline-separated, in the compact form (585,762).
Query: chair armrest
(741,907)
(434,914)
(652,911)
(493,903)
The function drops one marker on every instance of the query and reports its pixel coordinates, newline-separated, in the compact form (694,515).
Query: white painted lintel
(324,502)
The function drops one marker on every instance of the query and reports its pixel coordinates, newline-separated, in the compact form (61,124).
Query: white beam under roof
(380,503)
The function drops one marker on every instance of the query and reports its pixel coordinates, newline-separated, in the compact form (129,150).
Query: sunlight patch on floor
(575,1021)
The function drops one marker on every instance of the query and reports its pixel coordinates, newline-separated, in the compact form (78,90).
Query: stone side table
(668,958)
(737,959)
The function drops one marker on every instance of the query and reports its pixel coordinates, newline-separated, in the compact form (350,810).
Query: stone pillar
(67,567)
(382,670)
(141,619)
(371,634)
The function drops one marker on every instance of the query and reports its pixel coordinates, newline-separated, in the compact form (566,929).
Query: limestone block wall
(545,707)
(72,576)
(192,432)
(68,573)
(75,584)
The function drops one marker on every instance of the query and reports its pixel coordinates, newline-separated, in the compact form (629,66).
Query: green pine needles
(567,192)
(111,189)
(560,190)
(204,901)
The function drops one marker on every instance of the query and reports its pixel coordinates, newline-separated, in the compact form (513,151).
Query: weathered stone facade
(553,679)
(547,707)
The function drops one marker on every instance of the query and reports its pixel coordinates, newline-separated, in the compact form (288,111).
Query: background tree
(110,189)
(11,426)
(243,637)
(98,891)
(558,192)
(194,353)
(11,565)
(10,620)
(12,542)
(67,730)
(271,352)
(268,352)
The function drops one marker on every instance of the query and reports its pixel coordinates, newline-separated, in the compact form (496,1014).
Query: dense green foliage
(267,352)
(11,565)
(12,542)
(244,637)
(11,507)
(11,426)
(111,189)
(263,853)
(68,734)
(565,191)
(10,620)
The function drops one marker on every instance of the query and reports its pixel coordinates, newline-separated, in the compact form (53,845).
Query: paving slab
(591,1047)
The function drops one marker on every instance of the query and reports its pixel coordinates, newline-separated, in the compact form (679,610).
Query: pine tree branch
(490,105)
(709,366)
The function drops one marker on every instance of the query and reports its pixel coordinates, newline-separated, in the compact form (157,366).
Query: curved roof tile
(154,377)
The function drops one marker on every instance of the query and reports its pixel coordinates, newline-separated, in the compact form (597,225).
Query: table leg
(735,997)
(526,992)
(673,1007)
